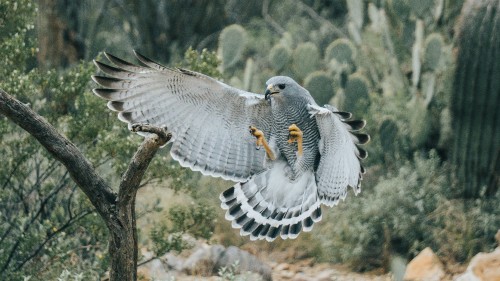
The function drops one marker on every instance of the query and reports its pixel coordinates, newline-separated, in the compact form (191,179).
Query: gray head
(286,87)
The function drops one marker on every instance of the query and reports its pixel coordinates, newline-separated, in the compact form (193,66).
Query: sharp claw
(261,141)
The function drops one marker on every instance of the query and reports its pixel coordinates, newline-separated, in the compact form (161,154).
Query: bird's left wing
(340,155)
(209,120)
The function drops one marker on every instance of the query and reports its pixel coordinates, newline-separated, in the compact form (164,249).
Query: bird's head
(283,86)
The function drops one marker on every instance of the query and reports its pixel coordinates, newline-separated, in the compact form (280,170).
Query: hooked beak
(269,91)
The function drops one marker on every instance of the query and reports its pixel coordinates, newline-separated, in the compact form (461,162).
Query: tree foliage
(47,224)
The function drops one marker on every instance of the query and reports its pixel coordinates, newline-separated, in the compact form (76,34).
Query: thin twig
(69,223)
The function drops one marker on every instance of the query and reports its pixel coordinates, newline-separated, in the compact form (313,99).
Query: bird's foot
(261,141)
(295,135)
(161,132)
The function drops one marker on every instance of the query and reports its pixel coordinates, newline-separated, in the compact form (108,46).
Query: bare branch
(131,180)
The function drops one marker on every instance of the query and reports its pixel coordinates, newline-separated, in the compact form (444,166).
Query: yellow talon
(295,136)
(261,141)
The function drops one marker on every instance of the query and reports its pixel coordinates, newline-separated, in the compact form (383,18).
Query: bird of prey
(287,155)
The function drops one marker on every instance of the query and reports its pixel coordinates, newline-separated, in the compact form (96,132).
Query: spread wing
(209,120)
(339,165)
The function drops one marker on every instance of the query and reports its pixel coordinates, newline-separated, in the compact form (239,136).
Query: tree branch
(131,180)
(79,168)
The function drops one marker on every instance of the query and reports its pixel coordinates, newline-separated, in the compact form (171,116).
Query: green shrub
(406,212)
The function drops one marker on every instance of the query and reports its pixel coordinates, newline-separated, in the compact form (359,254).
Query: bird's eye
(281,86)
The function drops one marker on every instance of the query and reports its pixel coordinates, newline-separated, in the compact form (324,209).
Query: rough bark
(117,210)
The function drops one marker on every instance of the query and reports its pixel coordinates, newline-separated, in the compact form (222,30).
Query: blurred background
(424,74)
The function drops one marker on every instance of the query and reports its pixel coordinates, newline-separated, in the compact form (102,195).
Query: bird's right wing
(209,120)
(340,160)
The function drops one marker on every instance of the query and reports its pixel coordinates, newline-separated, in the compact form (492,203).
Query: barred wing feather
(339,165)
(208,119)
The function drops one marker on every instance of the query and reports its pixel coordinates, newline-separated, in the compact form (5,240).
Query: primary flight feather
(287,154)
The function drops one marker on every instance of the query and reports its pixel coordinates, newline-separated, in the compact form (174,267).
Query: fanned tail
(268,205)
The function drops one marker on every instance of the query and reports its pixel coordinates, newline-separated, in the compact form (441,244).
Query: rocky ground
(204,262)
(301,271)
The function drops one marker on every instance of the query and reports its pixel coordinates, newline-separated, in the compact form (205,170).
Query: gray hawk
(310,154)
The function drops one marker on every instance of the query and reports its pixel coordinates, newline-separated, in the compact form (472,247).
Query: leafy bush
(406,212)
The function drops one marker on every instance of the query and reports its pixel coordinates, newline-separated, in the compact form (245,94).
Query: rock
(483,267)
(202,261)
(398,267)
(153,270)
(282,266)
(302,277)
(286,274)
(325,275)
(172,262)
(246,261)
(208,260)
(426,266)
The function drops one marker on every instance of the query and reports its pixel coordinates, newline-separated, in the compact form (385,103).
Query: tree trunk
(58,41)
(123,245)
(123,239)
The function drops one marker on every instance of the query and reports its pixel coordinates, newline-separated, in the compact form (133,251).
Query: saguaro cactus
(476,98)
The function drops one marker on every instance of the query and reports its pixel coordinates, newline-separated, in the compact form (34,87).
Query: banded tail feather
(265,211)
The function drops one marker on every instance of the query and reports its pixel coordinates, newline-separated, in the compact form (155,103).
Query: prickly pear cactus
(433,51)
(279,56)
(305,59)
(342,50)
(421,8)
(420,123)
(475,99)
(248,74)
(232,43)
(388,134)
(357,99)
(356,12)
(320,85)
